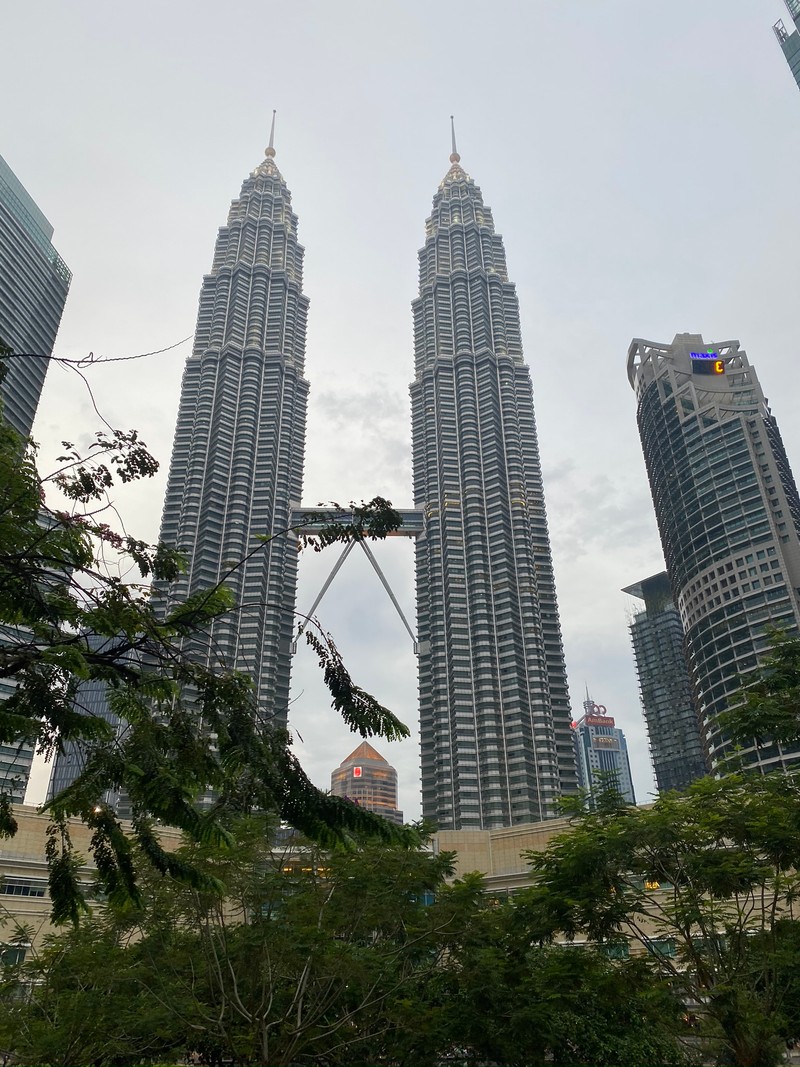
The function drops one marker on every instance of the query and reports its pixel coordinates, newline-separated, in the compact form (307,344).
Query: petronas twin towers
(494,708)
(237,460)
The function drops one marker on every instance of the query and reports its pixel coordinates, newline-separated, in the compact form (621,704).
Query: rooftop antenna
(454,156)
(269,151)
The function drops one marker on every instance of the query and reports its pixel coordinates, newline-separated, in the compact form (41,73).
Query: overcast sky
(642,163)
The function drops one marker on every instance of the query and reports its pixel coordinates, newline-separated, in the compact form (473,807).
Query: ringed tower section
(495,717)
(237,460)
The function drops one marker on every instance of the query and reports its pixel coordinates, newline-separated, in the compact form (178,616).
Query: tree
(774,961)
(690,881)
(352,957)
(67,616)
(500,998)
(305,954)
(770,710)
(80,1001)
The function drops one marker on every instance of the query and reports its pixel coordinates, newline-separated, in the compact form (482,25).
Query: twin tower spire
(269,151)
(496,744)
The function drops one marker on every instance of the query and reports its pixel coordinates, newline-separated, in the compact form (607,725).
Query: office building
(601,753)
(69,762)
(15,760)
(237,460)
(728,513)
(673,728)
(789,40)
(494,708)
(34,282)
(367,779)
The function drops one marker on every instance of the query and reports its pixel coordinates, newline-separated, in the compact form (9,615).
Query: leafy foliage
(352,957)
(85,480)
(771,707)
(358,709)
(690,880)
(67,617)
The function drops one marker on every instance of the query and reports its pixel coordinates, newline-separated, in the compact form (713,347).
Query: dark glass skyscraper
(91,698)
(494,708)
(728,512)
(669,709)
(34,282)
(790,40)
(237,461)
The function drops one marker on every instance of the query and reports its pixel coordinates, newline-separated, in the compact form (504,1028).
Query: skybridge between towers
(313,520)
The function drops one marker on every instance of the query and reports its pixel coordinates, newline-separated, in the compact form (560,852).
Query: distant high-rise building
(15,760)
(790,41)
(90,698)
(494,706)
(673,729)
(367,779)
(34,281)
(237,460)
(728,512)
(601,752)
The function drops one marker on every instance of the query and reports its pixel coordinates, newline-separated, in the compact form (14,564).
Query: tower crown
(269,169)
(456,172)
(365,751)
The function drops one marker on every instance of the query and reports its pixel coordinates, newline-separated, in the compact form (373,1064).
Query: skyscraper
(673,729)
(601,752)
(34,282)
(494,707)
(69,762)
(790,42)
(728,512)
(366,778)
(237,460)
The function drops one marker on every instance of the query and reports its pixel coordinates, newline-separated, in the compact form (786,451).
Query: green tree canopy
(350,957)
(67,616)
(770,710)
(690,881)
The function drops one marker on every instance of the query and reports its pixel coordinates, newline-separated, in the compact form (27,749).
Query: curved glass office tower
(494,709)
(728,512)
(789,40)
(237,460)
(34,282)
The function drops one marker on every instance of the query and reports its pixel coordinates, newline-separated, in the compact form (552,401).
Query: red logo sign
(356,772)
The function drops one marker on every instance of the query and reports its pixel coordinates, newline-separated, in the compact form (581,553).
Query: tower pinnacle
(269,151)
(454,156)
